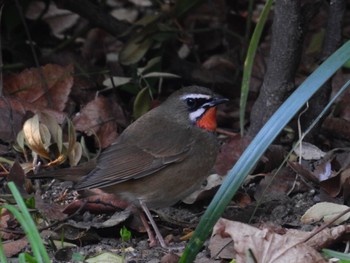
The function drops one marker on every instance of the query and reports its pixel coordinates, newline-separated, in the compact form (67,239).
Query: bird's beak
(215,101)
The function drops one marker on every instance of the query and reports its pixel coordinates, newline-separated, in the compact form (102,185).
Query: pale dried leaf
(325,211)
(32,131)
(45,135)
(265,245)
(221,247)
(125,14)
(308,151)
(143,3)
(113,82)
(105,257)
(20,142)
(212,181)
(54,128)
(58,19)
(63,245)
(75,155)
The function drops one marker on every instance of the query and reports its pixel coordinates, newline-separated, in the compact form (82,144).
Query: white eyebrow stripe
(196,96)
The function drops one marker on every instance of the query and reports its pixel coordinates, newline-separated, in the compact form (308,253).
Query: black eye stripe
(196,103)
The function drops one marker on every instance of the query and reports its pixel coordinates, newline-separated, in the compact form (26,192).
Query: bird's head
(196,105)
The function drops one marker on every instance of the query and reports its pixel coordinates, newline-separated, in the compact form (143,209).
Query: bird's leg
(152,239)
(154,226)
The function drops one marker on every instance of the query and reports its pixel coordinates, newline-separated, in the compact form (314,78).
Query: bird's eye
(191,103)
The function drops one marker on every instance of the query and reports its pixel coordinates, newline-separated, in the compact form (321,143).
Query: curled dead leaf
(37,136)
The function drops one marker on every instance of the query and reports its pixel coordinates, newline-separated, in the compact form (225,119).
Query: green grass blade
(3,258)
(336,254)
(248,63)
(29,226)
(22,258)
(259,145)
(20,218)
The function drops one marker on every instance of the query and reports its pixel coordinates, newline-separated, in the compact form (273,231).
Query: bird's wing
(138,156)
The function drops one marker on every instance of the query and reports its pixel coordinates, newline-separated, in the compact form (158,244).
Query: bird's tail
(73,174)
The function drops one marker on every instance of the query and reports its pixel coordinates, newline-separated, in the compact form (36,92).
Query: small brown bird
(163,156)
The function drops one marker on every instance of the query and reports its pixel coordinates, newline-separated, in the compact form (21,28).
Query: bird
(163,156)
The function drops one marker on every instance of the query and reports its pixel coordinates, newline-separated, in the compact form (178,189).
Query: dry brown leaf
(230,152)
(265,245)
(7,219)
(50,211)
(12,248)
(170,258)
(343,104)
(17,176)
(345,183)
(273,187)
(47,87)
(13,112)
(221,247)
(338,127)
(101,116)
(332,186)
(97,202)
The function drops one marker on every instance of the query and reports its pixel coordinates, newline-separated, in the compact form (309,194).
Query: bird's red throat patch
(208,120)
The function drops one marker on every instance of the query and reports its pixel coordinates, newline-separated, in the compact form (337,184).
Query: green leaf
(347,64)
(76,257)
(125,234)
(316,43)
(28,258)
(152,62)
(136,48)
(30,202)
(160,75)
(142,103)
(7,161)
(71,136)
